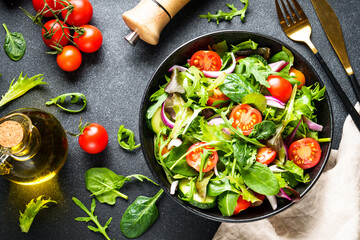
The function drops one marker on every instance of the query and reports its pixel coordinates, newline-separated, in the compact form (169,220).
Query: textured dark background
(113,79)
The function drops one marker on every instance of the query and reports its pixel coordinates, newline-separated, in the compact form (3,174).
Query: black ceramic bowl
(179,57)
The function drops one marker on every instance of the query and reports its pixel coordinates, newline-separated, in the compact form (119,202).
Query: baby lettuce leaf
(201,185)
(227,203)
(20,87)
(15,44)
(92,217)
(263,130)
(32,208)
(176,161)
(139,216)
(104,184)
(253,68)
(218,186)
(236,87)
(260,179)
(75,97)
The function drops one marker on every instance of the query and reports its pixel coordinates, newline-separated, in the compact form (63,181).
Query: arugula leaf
(14,45)
(228,16)
(20,87)
(74,98)
(32,208)
(252,67)
(124,133)
(263,130)
(236,87)
(92,217)
(304,100)
(227,203)
(249,44)
(245,154)
(246,194)
(160,100)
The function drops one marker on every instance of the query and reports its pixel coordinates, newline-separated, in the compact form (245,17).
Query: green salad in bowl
(235,128)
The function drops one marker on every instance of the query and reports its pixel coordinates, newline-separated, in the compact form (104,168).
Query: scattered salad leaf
(15,44)
(20,87)
(124,133)
(139,216)
(75,97)
(32,208)
(228,16)
(92,217)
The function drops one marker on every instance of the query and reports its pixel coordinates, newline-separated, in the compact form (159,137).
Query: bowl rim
(174,197)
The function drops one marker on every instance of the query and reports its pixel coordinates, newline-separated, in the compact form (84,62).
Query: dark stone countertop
(114,79)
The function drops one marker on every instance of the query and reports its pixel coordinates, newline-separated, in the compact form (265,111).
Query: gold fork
(297,27)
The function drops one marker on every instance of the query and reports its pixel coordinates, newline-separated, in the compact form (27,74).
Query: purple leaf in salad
(175,85)
(180,68)
(289,139)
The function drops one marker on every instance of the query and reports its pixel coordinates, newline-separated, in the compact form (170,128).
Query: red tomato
(280,88)
(265,155)
(40,4)
(217,96)
(193,158)
(299,76)
(91,40)
(81,15)
(70,59)
(206,60)
(245,118)
(54,28)
(239,57)
(94,138)
(305,153)
(241,205)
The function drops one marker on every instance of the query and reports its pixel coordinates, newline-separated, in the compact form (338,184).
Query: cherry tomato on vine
(94,138)
(58,36)
(40,4)
(206,60)
(81,14)
(90,41)
(279,88)
(265,155)
(193,158)
(305,153)
(299,76)
(241,205)
(69,59)
(217,95)
(245,118)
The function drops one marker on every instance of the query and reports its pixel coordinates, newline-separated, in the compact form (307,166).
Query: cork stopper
(11,134)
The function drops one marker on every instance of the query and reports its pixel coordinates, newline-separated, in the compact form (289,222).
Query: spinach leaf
(15,44)
(139,216)
(236,87)
(124,133)
(285,55)
(176,161)
(257,100)
(105,184)
(260,179)
(227,203)
(263,130)
(92,217)
(74,99)
(218,186)
(245,154)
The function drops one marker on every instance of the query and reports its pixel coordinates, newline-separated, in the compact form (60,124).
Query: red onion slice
(173,187)
(273,201)
(274,102)
(217,121)
(180,68)
(289,139)
(278,66)
(312,125)
(174,143)
(164,118)
(215,74)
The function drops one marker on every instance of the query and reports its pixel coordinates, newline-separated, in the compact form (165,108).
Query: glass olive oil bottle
(33,146)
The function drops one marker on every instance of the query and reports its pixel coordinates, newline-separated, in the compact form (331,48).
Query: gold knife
(332,28)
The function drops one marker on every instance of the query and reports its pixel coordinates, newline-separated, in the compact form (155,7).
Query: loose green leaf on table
(32,208)
(75,97)
(139,216)
(14,45)
(124,133)
(92,217)
(104,184)
(20,87)
(228,16)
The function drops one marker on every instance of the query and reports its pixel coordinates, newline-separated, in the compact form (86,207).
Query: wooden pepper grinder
(149,18)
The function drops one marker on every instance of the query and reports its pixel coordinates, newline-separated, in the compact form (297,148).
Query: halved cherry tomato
(206,60)
(305,153)
(90,41)
(280,88)
(69,59)
(241,205)
(217,96)
(299,76)
(81,14)
(265,155)
(245,118)
(54,28)
(193,158)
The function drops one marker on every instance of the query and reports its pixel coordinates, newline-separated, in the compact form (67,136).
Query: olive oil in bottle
(33,146)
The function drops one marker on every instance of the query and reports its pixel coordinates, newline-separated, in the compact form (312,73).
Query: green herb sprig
(124,133)
(75,97)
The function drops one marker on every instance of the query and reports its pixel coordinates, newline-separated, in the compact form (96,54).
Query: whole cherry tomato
(55,33)
(90,41)
(94,138)
(69,59)
(81,13)
(280,88)
(299,76)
